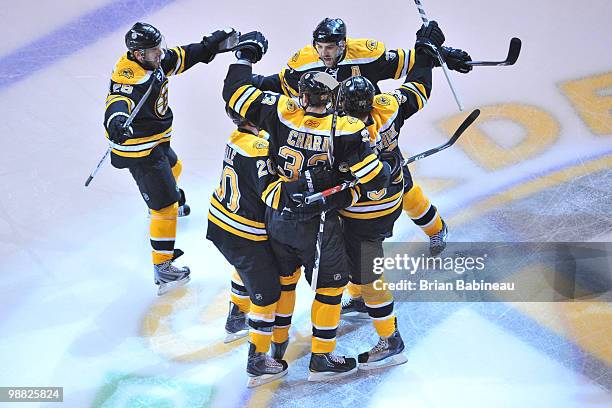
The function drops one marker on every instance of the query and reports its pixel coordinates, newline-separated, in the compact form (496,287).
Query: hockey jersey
(152,125)
(235,206)
(388,114)
(299,140)
(363,56)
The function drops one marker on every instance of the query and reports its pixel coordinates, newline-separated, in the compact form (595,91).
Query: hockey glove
(429,39)
(455,59)
(251,46)
(313,180)
(117,132)
(394,160)
(305,212)
(220,40)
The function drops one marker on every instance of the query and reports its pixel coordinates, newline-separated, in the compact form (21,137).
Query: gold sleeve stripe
(372,173)
(411,63)
(400,63)
(244,108)
(182,67)
(418,90)
(359,166)
(236,95)
(234,231)
(116,98)
(215,202)
(271,195)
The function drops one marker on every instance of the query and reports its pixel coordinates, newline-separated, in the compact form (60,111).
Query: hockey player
(367,223)
(236,227)
(144,146)
(333,52)
(299,142)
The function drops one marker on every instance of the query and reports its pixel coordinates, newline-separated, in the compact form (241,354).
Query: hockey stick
(126,125)
(348,184)
(440,59)
(513,53)
(333,84)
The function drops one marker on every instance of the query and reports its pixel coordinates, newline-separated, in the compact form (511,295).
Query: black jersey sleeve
(394,64)
(355,151)
(248,101)
(179,59)
(414,92)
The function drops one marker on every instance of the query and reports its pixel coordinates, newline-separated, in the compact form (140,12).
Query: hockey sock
(325,317)
(353,290)
(285,306)
(379,304)
(421,211)
(261,322)
(163,233)
(239,295)
(177,170)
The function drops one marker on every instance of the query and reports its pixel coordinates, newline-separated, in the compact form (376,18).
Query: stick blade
(513,51)
(466,123)
(327,80)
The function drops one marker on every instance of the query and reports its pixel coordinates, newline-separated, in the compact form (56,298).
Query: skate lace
(381,345)
(436,239)
(270,362)
(347,301)
(336,358)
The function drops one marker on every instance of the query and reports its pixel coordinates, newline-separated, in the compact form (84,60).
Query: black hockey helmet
(142,36)
(318,93)
(235,116)
(330,30)
(357,95)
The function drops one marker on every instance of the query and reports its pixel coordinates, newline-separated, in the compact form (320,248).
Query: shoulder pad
(304,58)
(348,125)
(360,48)
(129,72)
(248,145)
(386,101)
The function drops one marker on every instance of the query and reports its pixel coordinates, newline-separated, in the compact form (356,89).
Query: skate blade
(329,376)
(355,316)
(394,360)
(230,337)
(167,287)
(264,379)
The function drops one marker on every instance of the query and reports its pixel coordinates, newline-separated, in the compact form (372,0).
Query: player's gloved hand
(117,133)
(221,40)
(429,39)
(313,180)
(251,46)
(455,59)
(305,212)
(394,160)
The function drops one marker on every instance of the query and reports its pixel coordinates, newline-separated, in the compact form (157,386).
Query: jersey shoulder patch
(364,48)
(129,72)
(304,58)
(386,101)
(248,145)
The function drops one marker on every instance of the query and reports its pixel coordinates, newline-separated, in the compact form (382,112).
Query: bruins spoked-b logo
(161,104)
(127,73)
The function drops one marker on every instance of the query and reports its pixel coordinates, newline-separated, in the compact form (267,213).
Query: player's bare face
(151,57)
(329,53)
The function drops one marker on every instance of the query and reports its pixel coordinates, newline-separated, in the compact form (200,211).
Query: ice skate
(354,308)
(277,350)
(386,353)
(330,366)
(262,368)
(236,325)
(437,242)
(168,276)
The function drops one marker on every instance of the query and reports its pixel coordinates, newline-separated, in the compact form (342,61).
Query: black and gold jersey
(152,125)
(299,140)
(363,56)
(235,206)
(388,114)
